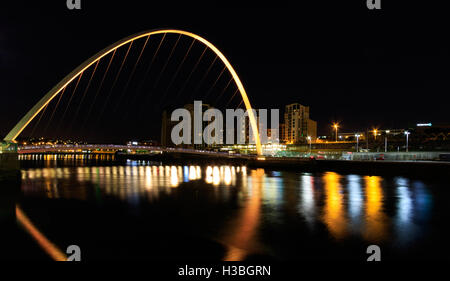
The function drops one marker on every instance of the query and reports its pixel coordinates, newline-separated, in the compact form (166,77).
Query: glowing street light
(375,131)
(309,139)
(357,142)
(385,140)
(407,134)
(336,126)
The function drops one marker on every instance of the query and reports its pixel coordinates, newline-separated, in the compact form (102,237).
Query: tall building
(283,133)
(166,129)
(167,126)
(297,124)
(190,108)
(312,129)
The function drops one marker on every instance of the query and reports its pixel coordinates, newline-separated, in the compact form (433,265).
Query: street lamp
(407,134)
(309,139)
(336,126)
(385,140)
(357,142)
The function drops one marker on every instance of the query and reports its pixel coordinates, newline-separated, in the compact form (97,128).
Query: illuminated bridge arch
(20,126)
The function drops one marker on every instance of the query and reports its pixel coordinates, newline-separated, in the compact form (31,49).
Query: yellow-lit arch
(12,135)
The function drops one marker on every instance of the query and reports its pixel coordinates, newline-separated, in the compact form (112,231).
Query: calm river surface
(147,210)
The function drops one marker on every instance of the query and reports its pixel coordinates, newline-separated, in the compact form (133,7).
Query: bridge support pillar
(8,157)
(10,180)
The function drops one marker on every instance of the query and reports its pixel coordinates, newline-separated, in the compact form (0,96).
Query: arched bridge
(112,148)
(58,88)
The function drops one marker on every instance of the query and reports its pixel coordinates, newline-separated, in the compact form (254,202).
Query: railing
(90,147)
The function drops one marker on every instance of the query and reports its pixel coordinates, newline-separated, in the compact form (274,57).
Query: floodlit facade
(297,124)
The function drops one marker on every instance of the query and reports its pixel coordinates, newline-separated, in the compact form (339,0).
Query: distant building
(312,129)
(190,108)
(141,142)
(272,136)
(166,129)
(297,124)
(167,126)
(433,131)
(283,133)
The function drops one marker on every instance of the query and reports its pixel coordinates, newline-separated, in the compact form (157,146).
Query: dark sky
(363,68)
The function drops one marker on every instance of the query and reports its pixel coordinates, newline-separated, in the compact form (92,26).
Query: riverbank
(417,169)
(414,169)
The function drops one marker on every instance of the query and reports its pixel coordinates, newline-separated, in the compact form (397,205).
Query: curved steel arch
(20,126)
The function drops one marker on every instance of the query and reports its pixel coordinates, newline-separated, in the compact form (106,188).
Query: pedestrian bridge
(112,148)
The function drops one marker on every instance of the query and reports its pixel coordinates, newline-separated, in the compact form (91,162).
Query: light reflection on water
(334,210)
(125,182)
(240,235)
(347,205)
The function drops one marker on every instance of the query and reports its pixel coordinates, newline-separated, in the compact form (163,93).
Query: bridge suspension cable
(166,63)
(54,110)
(190,74)
(203,78)
(70,99)
(99,88)
(77,73)
(214,84)
(116,78)
(38,121)
(84,94)
(231,98)
(132,71)
(147,72)
(178,68)
(223,91)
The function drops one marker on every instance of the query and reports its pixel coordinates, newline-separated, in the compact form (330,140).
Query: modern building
(312,129)
(166,129)
(283,133)
(272,136)
(167,126)
(190,108)
(297,124)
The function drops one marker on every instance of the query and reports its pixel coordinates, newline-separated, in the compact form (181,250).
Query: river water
(145,210)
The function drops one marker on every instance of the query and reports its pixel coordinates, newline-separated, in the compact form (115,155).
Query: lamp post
(357,142)
(309,139)
(336,126)
(375,131)
(407,135)
(385,140)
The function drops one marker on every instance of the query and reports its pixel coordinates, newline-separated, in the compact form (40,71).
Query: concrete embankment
(375,167)
(416,169)
(419,169)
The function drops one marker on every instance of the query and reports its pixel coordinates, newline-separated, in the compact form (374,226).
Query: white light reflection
(307,207)
(355,200)
(129,182)
(404,206)
(227,176)
(192,173)
(216,176)
(185,174)
(208,178)
(403,221)
(173,176)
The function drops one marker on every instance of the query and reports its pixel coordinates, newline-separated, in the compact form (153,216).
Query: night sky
(363,68)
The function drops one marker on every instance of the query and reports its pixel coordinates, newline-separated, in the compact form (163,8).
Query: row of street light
(335,126)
